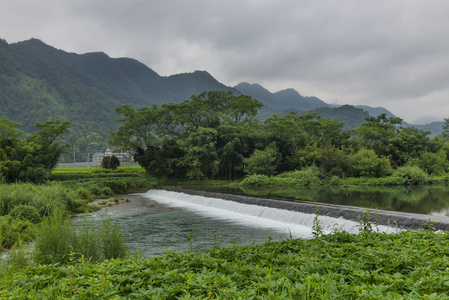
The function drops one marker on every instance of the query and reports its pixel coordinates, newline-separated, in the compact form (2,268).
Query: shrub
(335,180)
(256,180)
(307,176)
(366,163)
(107,191)
(110,162)
(83,193)
(25,212)
(432,163)
(411,175)
(13,231)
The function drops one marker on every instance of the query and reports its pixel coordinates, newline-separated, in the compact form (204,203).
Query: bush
(13,231)
(307,176)
(366,163)
(110,162)
(25,212)
(107,191)
(256,180)
(411,175)
(83,194)
(432,163)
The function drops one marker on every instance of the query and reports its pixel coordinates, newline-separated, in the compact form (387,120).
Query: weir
(296,223)
(330,216)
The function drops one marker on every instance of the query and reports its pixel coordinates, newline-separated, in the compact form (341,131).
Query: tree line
(216,135)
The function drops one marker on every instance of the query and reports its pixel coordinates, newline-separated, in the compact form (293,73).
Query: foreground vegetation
(23,206)
(403,265)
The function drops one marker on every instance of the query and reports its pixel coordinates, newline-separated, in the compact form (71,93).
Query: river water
(159,221)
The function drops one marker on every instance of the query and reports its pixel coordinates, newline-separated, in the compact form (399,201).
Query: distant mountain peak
(284,99)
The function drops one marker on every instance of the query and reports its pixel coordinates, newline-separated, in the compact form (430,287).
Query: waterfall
(296,223)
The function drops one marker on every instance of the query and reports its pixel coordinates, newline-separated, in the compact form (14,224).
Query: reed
(59,240)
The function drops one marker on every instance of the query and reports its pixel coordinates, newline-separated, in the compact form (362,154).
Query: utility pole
(74,162)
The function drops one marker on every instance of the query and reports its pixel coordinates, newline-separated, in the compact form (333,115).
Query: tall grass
(12,195)
(58,240)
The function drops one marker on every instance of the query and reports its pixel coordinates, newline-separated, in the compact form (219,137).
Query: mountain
(285,99)
(376,111)
(39,82)
(435,128)
(350,116)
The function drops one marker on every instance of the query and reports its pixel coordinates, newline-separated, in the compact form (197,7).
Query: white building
(98,156)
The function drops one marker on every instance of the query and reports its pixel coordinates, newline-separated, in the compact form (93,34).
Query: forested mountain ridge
(285,99)
(39,82)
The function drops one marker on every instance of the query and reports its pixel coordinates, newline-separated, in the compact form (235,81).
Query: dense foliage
(110,162)
(215,135)
(403,265)
(32,158)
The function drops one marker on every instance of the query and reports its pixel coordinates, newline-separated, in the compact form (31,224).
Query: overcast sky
(393,53)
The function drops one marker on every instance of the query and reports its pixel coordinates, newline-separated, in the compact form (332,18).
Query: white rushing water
(297,224)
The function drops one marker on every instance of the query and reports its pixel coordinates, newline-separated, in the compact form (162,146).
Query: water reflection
(432,200)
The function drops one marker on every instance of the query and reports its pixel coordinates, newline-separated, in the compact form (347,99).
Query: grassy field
(96,169)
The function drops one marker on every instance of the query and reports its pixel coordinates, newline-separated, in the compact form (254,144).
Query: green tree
(201,158)
(376,133)
(367,163)
(432,163)
(263,162)
(407,145)
(48,149)
(231,159)
(110,162)
(31,158)
(168,140)
(445,132)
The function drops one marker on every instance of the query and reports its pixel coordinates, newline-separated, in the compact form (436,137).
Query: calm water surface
(429,200)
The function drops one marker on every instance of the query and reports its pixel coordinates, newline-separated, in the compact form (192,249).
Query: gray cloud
(393,54)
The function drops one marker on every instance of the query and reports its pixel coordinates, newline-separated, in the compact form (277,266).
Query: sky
(382,53)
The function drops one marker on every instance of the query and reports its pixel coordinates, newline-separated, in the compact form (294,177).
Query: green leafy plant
(365,225)
(317,229)
(25,212)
